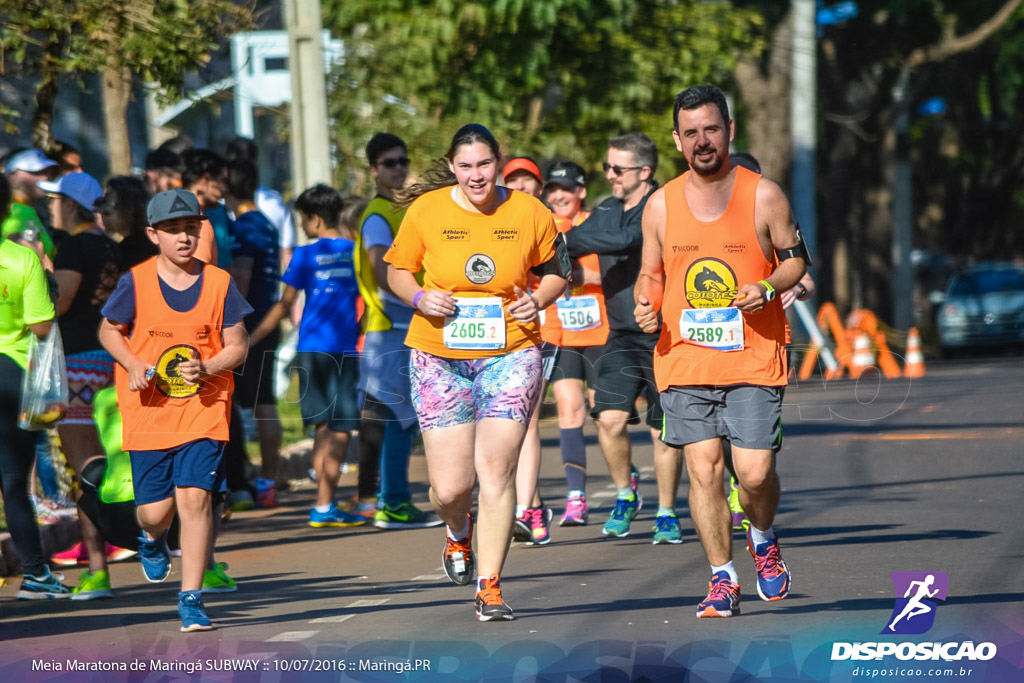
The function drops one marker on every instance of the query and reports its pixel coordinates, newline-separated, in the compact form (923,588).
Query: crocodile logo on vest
(168,378)
(710,283)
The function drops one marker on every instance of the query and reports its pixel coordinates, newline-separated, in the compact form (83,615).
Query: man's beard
(706,169)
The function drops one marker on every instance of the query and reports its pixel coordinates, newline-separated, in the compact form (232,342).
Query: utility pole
(902,210)
(311,161)
(803,120)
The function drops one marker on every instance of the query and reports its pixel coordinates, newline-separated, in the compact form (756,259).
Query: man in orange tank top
(719,241)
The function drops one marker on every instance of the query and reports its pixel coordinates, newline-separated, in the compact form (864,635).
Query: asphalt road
(921,475)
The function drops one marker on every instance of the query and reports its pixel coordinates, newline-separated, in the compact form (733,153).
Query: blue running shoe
(155,558)
(334,517)
(667,530)
(622,514)
(190,609)
(773,576)
(43,587)
(723,598)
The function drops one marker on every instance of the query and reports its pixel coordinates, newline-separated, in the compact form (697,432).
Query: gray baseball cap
(171,204)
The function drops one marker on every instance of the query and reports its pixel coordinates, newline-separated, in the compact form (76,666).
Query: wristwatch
(769,291)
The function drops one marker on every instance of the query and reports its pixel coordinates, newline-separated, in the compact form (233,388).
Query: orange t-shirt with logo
(170,411)
(473,255)
(552,330)
(705,262)
(206,250)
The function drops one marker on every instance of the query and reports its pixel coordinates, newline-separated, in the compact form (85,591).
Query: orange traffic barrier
(863,355)
(914,364)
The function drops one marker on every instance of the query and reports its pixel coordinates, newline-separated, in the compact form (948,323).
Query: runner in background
(387,425)
(475,363)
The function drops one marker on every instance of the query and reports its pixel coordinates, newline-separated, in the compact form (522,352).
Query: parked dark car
(983,306)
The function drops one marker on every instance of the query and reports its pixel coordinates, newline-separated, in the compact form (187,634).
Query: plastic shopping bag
(44,389)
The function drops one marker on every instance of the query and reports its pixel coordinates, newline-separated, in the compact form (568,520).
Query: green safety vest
(374,319)
(117,485)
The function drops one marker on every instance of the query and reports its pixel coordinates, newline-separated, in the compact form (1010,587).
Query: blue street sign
(837,14)
(932,107)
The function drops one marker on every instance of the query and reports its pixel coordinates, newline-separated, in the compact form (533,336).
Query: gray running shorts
(748,416)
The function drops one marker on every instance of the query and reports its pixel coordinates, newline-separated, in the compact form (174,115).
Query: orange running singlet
(584,310)
(704,265)
(171,412)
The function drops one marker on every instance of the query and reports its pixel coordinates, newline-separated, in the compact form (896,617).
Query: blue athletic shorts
(198,464)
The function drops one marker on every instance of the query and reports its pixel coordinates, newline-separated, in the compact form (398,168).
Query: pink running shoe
(74,556)
(576,513)
(540,518)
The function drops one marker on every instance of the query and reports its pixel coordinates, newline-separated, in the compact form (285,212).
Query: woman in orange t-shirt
(475,363)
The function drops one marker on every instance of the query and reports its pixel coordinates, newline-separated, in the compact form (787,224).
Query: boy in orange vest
(174,326)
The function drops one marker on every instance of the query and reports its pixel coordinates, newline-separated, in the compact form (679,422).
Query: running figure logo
(914,613)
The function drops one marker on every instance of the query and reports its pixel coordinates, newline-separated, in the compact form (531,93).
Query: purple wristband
(416,298)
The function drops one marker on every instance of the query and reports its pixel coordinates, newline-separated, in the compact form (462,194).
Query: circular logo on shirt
(168,379)
(480,269)
(710,283)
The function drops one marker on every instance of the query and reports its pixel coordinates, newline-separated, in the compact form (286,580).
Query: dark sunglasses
(619,170)
(391,163)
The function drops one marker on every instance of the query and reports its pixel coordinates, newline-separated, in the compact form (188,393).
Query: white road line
(332,620)
(604,494)
(291,636)
(369,603)
(429,577)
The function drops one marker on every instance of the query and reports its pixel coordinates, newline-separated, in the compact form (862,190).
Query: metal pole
(902,210)
(803,120)
(311,161)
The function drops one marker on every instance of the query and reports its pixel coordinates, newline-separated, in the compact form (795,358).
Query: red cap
(521,164)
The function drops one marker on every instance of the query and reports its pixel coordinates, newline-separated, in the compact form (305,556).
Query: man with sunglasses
(625,369)
(388,422)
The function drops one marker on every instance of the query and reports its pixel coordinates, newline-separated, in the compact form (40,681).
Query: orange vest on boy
(551,330)
(704,265)
(171,412)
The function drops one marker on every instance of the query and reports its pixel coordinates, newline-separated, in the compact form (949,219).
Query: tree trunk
(117,93)
(46,95)
(764,88)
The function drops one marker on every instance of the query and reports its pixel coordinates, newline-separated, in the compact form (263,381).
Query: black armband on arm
(558,264)
(797,251)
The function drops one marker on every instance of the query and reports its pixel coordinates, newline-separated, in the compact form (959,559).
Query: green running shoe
(405,515)
(666,530)
(217,580)
(92,585)
(739,517)
(622,514)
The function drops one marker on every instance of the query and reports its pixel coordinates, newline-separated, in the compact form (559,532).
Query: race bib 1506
(478,324)
(579,313)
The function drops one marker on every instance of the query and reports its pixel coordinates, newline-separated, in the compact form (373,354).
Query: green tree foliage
(157,40)
(552,78)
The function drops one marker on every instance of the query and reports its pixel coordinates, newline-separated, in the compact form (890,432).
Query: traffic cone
(863,355)
(914,364)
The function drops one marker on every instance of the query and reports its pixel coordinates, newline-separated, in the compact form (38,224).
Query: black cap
(566,174)
(165,206)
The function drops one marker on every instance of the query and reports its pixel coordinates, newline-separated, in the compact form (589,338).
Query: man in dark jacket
(626,368)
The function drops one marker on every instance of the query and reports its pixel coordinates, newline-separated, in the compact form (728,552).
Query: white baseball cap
(81,187)
(30,161)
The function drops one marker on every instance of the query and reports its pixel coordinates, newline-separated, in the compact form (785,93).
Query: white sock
(520,511)
(666,512)
(322,509)
(461,535)
(575,494)
(757,537)
(626,494)
(728,567)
